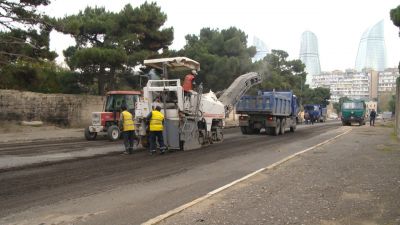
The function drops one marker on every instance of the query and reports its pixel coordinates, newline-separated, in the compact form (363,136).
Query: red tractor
(107,121)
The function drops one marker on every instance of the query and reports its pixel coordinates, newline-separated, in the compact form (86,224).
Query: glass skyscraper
(261,47)
(309,55)
(371,50)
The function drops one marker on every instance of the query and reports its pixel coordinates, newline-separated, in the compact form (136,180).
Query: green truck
(353,111)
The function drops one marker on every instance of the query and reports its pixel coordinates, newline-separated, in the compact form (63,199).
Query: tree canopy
(109,45)
(24,33)
(223,55)
(280,73)
(338,105)
(395,17)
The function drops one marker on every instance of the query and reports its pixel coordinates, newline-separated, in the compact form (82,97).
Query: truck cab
(353,111)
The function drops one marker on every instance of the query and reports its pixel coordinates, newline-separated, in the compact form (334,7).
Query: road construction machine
(193,120)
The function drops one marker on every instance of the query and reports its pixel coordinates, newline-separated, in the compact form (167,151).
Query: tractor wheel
(90,136)
(113,133)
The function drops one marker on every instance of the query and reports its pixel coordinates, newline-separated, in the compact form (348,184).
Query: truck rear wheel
(113,133)
(90,136)
(293,128)
(244,130)
(277,128)
(256,131)
(282,127)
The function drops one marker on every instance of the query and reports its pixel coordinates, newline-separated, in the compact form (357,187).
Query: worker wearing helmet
(128,129)
(189,82)
(156,119)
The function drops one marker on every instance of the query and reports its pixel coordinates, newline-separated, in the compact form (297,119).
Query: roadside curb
(179,209)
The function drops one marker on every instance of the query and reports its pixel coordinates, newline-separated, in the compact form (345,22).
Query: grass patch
(388,124)
(393,136)
(387,148)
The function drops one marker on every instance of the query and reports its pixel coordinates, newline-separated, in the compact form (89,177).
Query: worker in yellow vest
(156,124)
(128,129)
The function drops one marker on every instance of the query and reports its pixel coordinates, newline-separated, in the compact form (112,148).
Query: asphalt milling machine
(190,121)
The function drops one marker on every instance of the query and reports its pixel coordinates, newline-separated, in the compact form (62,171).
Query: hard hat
(194,72)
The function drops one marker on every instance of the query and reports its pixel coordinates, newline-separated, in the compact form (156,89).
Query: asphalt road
(130,189)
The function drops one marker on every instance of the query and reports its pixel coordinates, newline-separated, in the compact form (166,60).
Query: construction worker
(189,82)
(128,129)
(156,119)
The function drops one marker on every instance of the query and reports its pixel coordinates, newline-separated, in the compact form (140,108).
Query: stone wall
(61,109)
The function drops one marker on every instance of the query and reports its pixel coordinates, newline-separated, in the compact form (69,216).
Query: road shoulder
(353,180)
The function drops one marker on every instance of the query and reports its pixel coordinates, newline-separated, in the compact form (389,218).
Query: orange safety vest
(188,82)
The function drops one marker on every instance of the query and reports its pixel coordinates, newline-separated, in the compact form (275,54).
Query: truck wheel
(244,130)
(113,133)
(277,128)
(283,127)
(256,131)
(90,136)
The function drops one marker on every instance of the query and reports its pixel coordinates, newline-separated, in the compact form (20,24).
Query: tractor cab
(115,99)
(107,121)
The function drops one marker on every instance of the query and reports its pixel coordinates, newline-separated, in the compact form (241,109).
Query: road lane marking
(179,209)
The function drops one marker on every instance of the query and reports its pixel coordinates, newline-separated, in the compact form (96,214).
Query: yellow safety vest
(128,121)
(156,121)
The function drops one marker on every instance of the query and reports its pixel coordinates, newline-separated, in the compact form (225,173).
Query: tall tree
(24,32)
(317,95)
(338,105)
(395,17)
(282,74)
(109,45)
(224,55)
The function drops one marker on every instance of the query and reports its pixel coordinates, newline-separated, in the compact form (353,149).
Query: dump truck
(315,113)
(353,111)
(273,111)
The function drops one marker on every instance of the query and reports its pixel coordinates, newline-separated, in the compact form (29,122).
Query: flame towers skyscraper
(371,50)
(261,48)
(309,55)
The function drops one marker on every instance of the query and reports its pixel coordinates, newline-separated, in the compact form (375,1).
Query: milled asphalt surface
(65,139)
(354,179)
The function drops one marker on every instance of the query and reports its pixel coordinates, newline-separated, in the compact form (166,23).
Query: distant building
(373,84)
(261,48)
(387,80)
(309,55)
(367,85)
(371,50)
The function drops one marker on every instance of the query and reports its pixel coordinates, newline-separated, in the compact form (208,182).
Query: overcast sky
(337,24)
